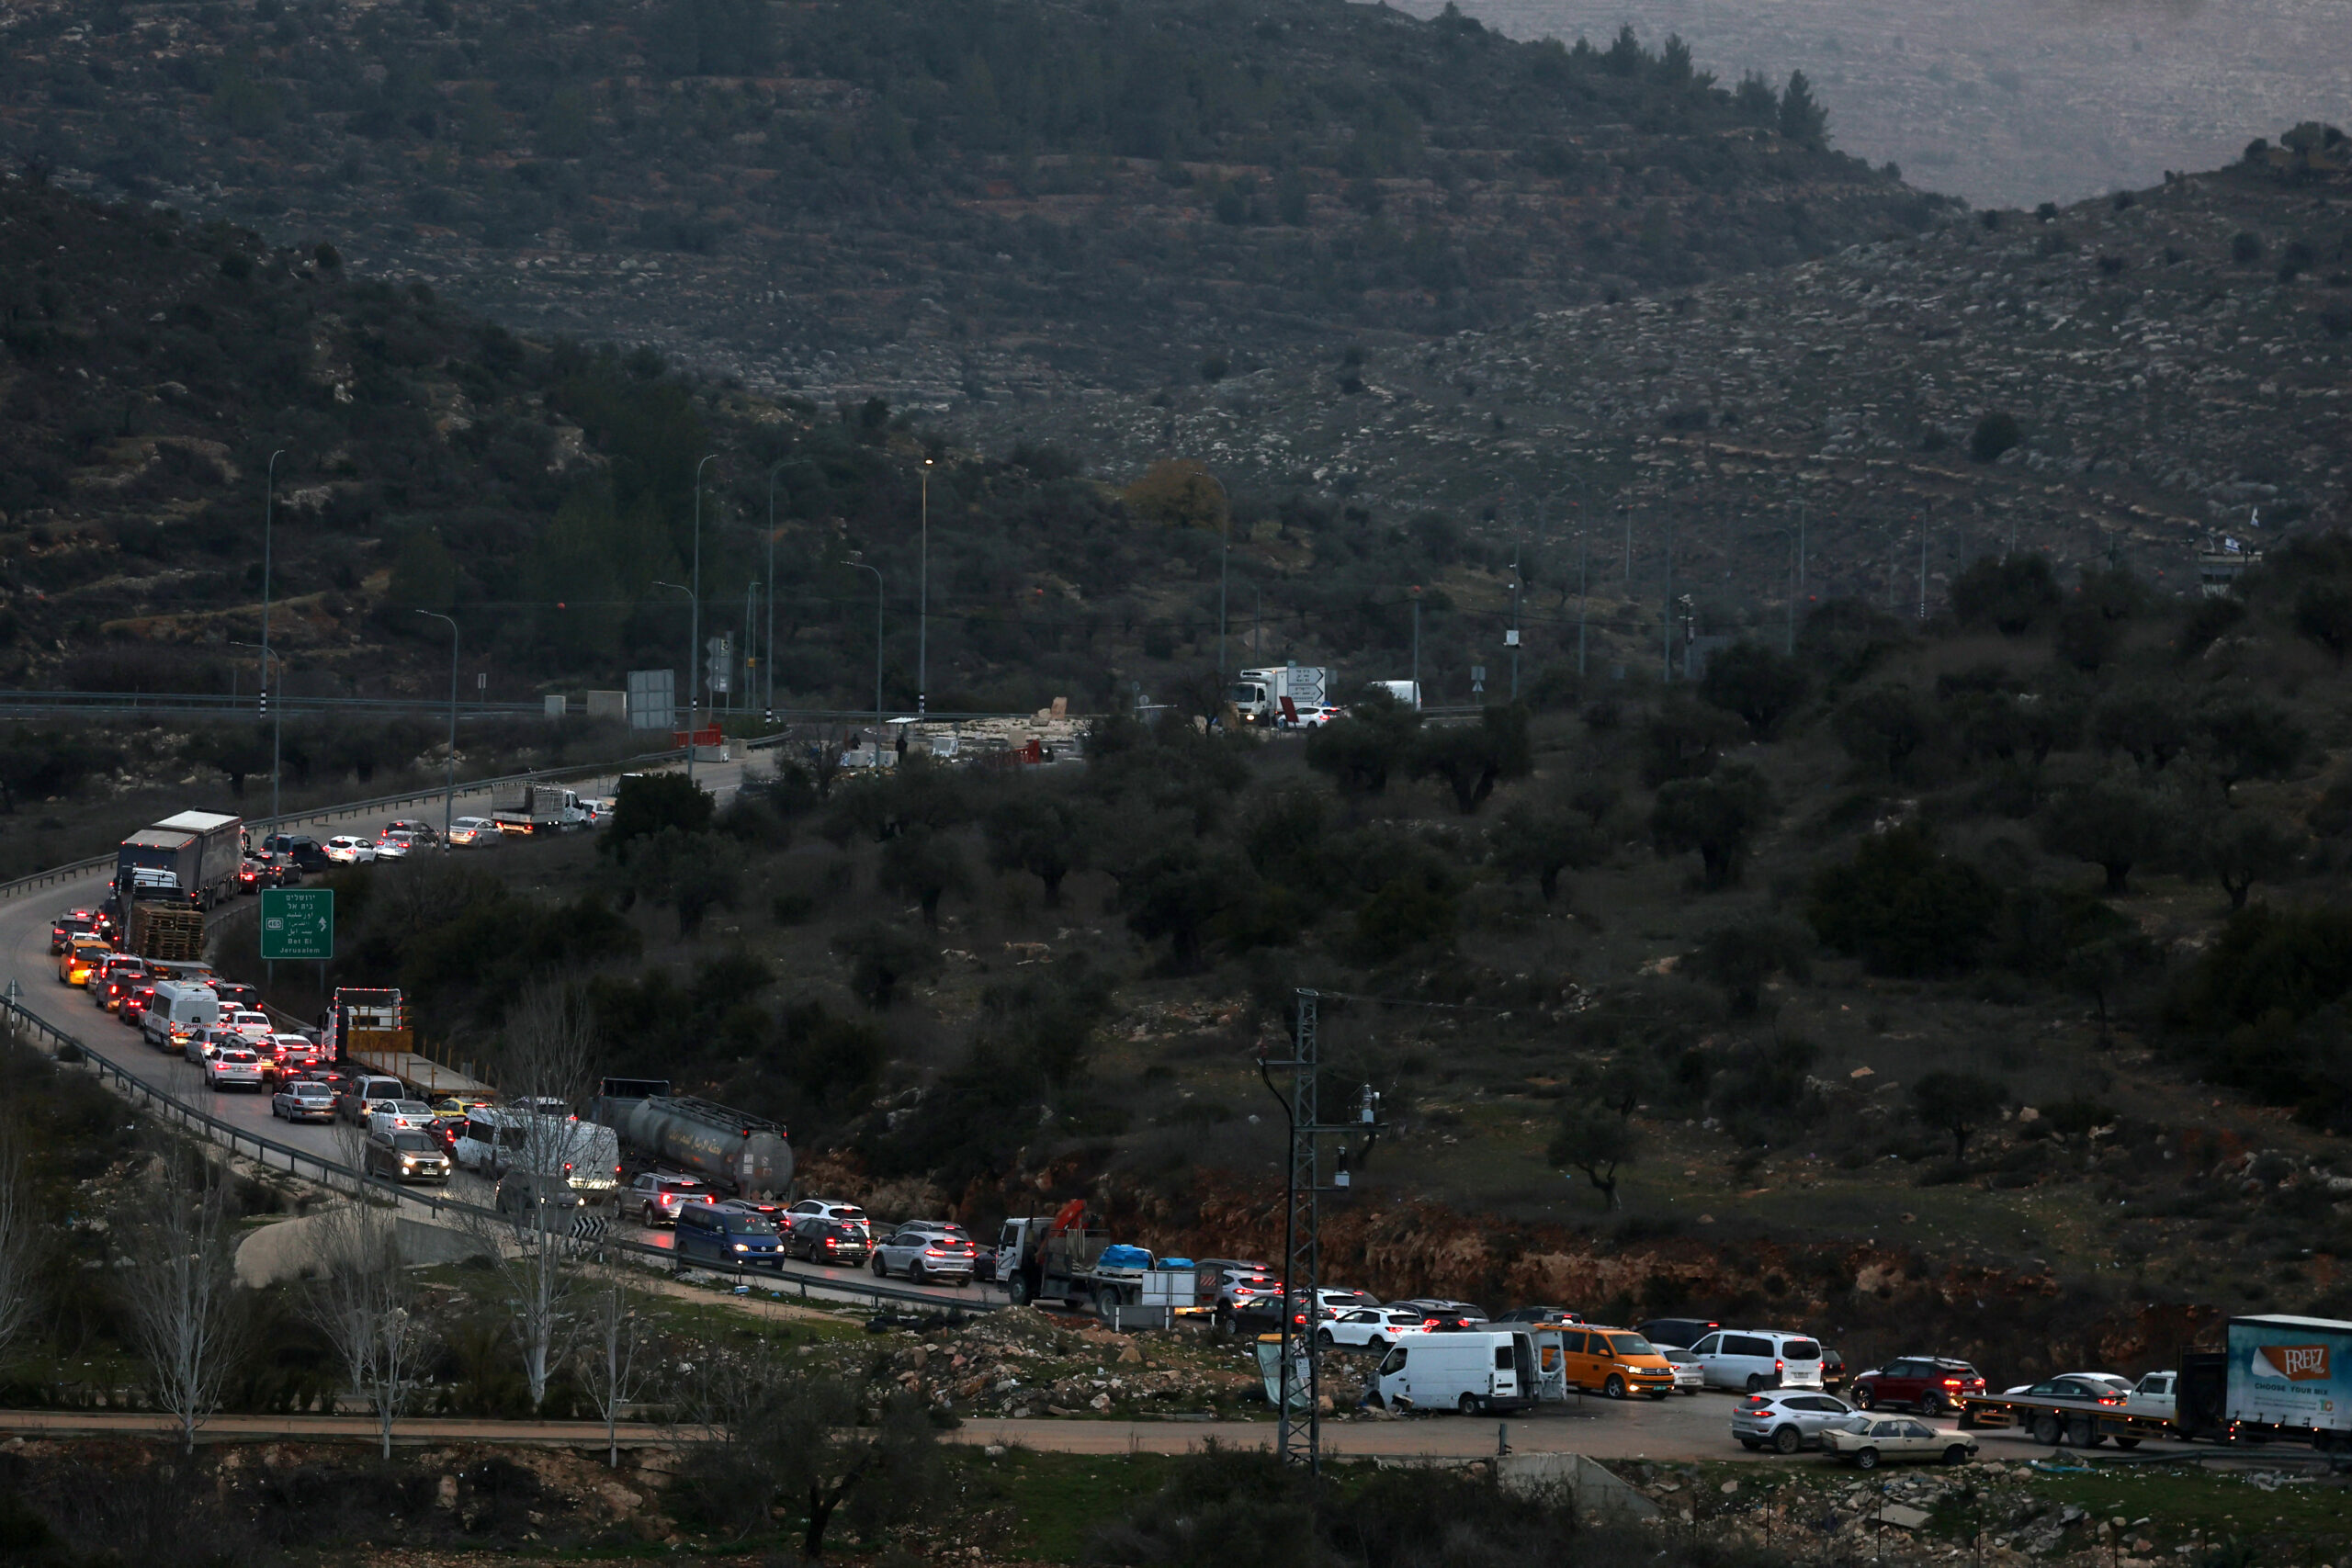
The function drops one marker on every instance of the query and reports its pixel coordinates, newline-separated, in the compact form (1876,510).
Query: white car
(830,1209)
(232,1069)
(345,849)
(1368,1329)
(293,1051)
(472,832)
(2099,1388)
(1315,716)
(393,846)
(248,1024)
(1868,1441)
(389,1116)
(1689,1376)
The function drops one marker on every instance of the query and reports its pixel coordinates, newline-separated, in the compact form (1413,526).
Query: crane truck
(1041,1257)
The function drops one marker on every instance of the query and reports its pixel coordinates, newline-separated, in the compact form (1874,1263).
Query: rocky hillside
(935,200)
(2114,381)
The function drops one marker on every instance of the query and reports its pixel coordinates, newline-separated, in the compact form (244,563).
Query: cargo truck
(536,808)
(164,929)
(2277,1379)
(1259,696)
(200,850)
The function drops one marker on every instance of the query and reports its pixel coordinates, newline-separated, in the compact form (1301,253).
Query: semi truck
(2277,1378)
(536,808)
(200,850)
(751,1155)
(1259,696)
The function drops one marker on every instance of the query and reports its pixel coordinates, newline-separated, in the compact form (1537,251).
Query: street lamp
(693,620)
(692,629)
(450,798)
(922,603)
(276,720)
(771,636)
(876,570)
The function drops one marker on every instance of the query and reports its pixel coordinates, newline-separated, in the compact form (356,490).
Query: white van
(589,1154)
(1470,1372)
(180,1010)
(489,1140)
(1753,1359)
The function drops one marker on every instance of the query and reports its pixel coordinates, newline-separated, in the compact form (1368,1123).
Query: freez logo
(2298,1363)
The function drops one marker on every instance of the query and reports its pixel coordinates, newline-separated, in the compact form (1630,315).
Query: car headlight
(740,1247)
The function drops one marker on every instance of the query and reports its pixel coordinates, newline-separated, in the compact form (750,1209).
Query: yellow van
(81,956)
(1614,1361)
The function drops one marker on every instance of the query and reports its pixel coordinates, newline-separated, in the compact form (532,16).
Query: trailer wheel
(2047,1430)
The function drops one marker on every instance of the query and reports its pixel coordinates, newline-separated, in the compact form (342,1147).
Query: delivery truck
(1258,695)
(536,808)
(200,850)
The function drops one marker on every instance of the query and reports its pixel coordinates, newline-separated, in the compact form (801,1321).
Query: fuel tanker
(746,1154)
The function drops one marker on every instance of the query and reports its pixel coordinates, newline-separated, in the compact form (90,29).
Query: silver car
(1787,1422)
(304,1100)
(1689,1377)
(926,1253)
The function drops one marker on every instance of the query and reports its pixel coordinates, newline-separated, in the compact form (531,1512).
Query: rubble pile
(1019,1361)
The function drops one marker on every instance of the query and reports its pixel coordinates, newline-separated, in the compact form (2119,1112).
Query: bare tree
(543,1067)
(614,1361)
(363,1301)
(21,1234)
(186,1320)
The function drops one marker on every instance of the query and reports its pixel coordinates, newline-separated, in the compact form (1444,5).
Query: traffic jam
(714,1185)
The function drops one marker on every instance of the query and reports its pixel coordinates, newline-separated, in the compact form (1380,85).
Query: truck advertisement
(2290,1372)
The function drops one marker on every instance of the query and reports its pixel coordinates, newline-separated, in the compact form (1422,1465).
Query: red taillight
(1951,1383)
(1779,1366)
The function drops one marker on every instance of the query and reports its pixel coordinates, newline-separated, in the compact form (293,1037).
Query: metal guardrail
(34,881)
(69,1050)
(233,705)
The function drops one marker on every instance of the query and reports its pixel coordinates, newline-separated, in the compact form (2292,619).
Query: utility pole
(1665,614)
(769,674)
(1518,547)
(1299,1434)
(878,644)
(1629,548)
(922,603)
(1416,648)
(693,622)
(276,720)
(1791,648)
(1919,525)
(1582,587)
(1800,506)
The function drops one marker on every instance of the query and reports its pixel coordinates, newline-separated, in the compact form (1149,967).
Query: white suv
(828,1209)
(345,849)
(1754,1360)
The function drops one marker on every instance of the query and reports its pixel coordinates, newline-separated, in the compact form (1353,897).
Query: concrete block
(1596,1493)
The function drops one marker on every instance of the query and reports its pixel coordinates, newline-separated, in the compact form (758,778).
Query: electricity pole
(694,622)
(769,674)
(922,603)
(449,784)
(1299,1439)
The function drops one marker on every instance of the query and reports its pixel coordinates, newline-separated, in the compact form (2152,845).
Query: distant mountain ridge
(941,200)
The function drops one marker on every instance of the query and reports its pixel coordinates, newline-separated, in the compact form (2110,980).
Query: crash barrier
(21,1022)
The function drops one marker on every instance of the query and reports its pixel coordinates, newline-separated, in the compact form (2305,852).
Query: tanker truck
(744,1154)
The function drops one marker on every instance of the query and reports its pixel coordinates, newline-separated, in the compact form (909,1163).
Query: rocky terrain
(934,202)
(2175,362)
(2007,102)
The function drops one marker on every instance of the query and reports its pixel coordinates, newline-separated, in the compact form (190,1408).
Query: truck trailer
(748,1155)
(200,850)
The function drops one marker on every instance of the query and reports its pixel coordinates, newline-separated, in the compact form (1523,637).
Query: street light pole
(770,674)
(1417,647)
(682,588)
(877,646)
(276,720)
(694,622)
(449,795)
(922,603)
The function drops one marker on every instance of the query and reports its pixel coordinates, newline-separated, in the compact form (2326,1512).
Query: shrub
(1995,434)
(1903,907)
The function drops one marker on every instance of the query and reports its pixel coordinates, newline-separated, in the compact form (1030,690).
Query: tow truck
(1043,1258)
(2066,1412)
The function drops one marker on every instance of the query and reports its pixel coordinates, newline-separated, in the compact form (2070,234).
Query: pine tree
(1803,120)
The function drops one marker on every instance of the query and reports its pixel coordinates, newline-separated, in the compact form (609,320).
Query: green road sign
(297,922)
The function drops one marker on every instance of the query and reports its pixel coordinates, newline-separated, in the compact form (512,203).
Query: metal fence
(22,1021)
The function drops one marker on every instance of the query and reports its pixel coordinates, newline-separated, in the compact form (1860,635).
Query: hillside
(934,200)
(2110,382)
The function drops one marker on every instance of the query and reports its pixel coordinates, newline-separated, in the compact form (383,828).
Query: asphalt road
(1683,1428)
(25,957)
